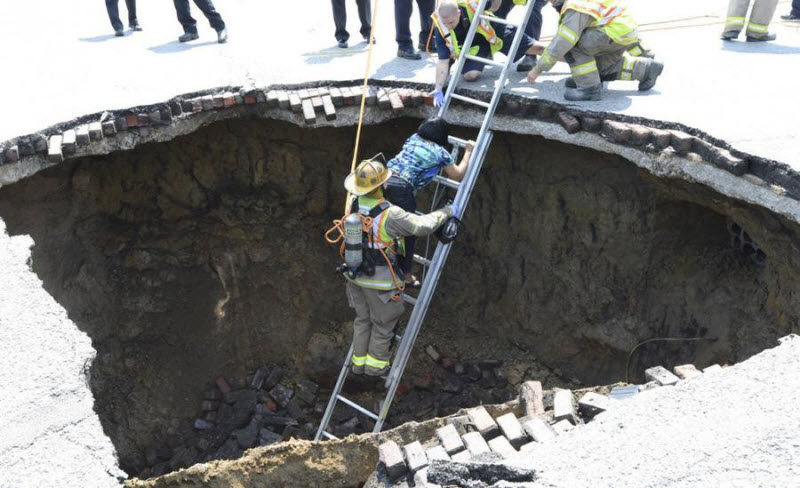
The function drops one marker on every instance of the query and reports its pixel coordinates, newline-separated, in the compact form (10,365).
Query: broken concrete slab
(661,375)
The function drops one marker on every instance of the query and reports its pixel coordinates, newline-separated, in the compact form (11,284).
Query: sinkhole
(202,257)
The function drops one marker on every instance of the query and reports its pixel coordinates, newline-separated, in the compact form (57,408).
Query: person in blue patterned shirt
(421,158)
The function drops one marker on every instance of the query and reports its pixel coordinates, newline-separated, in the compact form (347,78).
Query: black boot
(570,83)
(584,94)
(527,63)
(768,37)
(651,74)
(189,36)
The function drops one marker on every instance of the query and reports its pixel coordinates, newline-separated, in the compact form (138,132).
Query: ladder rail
(326,418)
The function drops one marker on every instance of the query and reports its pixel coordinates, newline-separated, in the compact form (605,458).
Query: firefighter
(757,27)
(593,37)
(374,289)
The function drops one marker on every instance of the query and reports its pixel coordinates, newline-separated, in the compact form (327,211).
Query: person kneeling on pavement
(374,289)
(451,21)
(594,38)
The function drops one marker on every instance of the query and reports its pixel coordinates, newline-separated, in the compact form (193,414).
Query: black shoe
(136,27)
(366,39)
(526,64)
(119,33)
(570,82)
(189,36)
(791,18)
(651,74)
(342,44)
(584,94)
(728,36)
(768,37)
(222,36)
(408,54)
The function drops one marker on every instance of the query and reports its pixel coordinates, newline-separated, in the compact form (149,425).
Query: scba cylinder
(353,255)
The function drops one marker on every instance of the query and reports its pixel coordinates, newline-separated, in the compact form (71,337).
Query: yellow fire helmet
(369,174)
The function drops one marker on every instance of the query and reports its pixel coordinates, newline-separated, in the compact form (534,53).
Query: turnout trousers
(758,26)
(596,54)
(373,328)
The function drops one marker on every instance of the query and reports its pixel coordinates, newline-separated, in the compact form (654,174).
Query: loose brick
(722,158)
(501,446)
(569,122)
(543,112)
(591,124)
(712,369)
(186,107)
(54,153)
(12,154)
(660,375)
(336,97)
(661,138)
(155,117)
(415,456)
(283,99)
(121,124)
(142,120)
(109,129)
(176,109)
(686,371)
(483,422)
(538,430)
(219,100)
(476,444)
(327,106)
(563,405)
(229,100)
(395,101)
(132,120)
(309,115)
(416,98)
(616,131)
(96,131)
(223,385)
(703,148)
(437,452)
(427,100)
(640,135)
(208,102)
(197,105)
(392,458)
(316,102)
(461,457)
(512,430)
(166,115)
(272,98)
(347,96)
(40,144)
(372,96)
(433,353)
(261,98)
(295,103)
(449,439)
(681,141)
(383,98)
(421,479)
(69,142)
(592,403)
(530,396)
(82,135)
(303,94)
(250,99)
(25,149)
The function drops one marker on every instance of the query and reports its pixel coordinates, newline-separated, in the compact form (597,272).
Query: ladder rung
(485,60)
(409,299)
(356,406)
(470,100)
(421,260)
(329,435)
(446,182)
(498,20)
(456,141)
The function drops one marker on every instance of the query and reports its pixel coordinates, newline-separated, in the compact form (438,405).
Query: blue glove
(438,97)
(456,210)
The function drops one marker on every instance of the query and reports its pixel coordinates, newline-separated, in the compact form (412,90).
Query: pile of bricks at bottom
(261,409)
(477,435)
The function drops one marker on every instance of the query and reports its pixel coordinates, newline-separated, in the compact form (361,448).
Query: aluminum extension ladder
(435,264)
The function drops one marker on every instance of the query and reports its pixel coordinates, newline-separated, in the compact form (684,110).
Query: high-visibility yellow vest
(380,240)
(484,28)
(609,15)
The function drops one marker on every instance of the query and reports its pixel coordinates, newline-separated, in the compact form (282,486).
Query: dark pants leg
(214,18)
(399,192)
(131,4)
(185,17)
(425,8)
(402,19)
(796,8)
(340,20)
(534,26)
(365,16)
(113,14)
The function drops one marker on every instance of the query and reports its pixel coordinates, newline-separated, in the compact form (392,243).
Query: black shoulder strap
(378,209)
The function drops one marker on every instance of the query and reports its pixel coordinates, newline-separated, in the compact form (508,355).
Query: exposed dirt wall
(203,256)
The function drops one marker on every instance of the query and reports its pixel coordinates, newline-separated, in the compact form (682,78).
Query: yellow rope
(363,102)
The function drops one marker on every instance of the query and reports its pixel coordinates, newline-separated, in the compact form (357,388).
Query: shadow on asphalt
(103,38)
(759,47)
(327,54)
(177,47)
(401,68)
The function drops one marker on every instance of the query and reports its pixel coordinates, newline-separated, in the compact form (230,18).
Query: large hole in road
(203,256)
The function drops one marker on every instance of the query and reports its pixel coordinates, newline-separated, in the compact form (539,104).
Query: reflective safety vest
(377,241)
(610,16)
(484,28)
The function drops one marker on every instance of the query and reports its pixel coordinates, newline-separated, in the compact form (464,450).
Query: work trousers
(340,18)
(402,22)
(795,8)
(205,6)
(373,328)
(400,192)
(597,55)
(758,26)
(534,26)
(113,13)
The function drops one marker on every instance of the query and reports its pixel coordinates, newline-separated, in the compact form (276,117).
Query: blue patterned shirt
(419,161)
